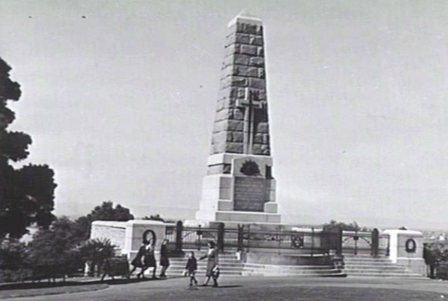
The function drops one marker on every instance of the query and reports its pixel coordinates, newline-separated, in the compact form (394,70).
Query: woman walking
(212,264)
(164,261)
(149,259)
(137,262)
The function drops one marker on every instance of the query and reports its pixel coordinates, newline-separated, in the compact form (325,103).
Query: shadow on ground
(79,282)
(30,289)
(41,289)
(228,286)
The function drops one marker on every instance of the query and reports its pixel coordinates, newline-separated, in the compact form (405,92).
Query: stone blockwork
(243,68)
(240,186)
(128,236)
(114,231)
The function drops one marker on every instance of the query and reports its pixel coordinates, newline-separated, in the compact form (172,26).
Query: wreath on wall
(149,236)
(297,242)
(411,245)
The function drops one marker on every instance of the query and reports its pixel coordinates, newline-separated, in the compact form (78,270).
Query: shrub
(13,261)
(96,252)
(115,266)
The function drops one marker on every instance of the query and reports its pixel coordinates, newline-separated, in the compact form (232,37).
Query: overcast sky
(119,97)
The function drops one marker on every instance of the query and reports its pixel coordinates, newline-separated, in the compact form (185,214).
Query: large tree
(27,193)
(56,249)
(105,212)
(345,227)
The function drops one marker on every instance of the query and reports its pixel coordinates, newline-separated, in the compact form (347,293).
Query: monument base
(238,217)
(231,219)
(241,193)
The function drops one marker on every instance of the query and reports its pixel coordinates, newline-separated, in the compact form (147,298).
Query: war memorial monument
(239,192)
(239,186)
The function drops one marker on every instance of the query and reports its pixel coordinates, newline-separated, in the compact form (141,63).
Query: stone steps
(287,267)
(372,268)
(386,275)
(365,258)
(377,271)
(383,261)
(228,263)
(367,266)
(290,271)
(329,273)
(202,269)
(255,274)
(369,263)
(230,266)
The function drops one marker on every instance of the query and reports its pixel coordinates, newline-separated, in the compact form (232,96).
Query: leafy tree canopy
(105,212)
(345,227)
(13,254)
(56,245)
(155,217)
(26,194)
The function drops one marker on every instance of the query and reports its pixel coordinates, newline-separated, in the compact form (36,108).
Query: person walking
(164,261)
(137,262)
(190,270)
(430,261)
(149,259)
(212,264)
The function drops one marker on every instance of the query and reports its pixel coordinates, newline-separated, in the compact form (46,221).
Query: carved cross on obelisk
(250,105)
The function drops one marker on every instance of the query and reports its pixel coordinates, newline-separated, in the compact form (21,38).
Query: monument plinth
(239,186)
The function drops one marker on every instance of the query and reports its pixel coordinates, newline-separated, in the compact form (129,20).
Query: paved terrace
(251,288)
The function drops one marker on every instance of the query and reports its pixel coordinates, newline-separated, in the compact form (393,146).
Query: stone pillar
(240,186)
(406,249)
(128,236)
(242,94)
(135,230)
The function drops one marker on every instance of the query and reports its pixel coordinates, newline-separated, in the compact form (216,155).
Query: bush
(96,252)
(115,266)
(54,253)
(13,261)
(13,254)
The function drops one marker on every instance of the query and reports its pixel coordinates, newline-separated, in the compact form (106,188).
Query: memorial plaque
(249,194)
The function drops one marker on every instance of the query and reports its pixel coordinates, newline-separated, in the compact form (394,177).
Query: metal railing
(309,242)
(365,243)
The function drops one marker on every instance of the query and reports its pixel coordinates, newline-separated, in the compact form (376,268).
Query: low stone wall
(128,236)
(114,231)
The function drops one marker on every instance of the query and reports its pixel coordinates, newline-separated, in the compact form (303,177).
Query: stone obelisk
(239,186)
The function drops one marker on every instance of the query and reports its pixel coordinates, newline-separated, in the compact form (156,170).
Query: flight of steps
(267,270)
(367,266)
(231,266)
(228,264)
